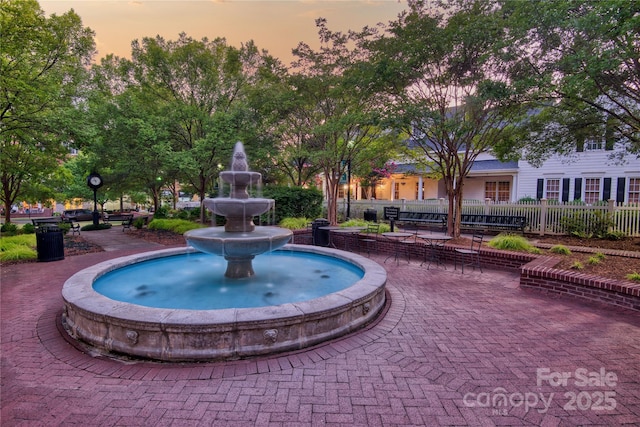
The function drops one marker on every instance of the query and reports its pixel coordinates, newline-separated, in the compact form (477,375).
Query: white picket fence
(543,217)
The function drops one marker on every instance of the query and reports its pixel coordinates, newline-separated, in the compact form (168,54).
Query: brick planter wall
(536,272)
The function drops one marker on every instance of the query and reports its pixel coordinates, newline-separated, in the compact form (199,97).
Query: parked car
(77,215)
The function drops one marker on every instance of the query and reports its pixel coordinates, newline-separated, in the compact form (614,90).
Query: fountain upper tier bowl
(226,206)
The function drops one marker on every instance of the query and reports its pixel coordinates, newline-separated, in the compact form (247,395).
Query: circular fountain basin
(116,327)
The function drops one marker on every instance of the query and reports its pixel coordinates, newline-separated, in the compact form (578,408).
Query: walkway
(453,349)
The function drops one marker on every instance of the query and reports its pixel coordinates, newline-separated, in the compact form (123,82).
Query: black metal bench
(493,222)
(423,218)
(126,220)
(55,221)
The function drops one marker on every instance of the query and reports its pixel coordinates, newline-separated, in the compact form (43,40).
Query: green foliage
(583,54)
(560,250)
(593,260)
(138,223)
(526,199)
(42,79)
(28,228)
(577,266)
(635,276)
(161,213)
(384,227)
(587,224)
(615,235)
(294,223)
(9,229)
(178,226)
(295,202)
(511,242)
(18,247)
(100,226)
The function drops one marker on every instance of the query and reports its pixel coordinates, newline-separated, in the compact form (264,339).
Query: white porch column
(420,189)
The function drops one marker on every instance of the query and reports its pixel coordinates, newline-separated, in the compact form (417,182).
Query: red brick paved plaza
(453,349)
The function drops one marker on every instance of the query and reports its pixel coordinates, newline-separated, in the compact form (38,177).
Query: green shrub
(354,223)
(9,229)
(560,250)
(615,235)
(635,276)
(384,227)
(587,224)
(600,256)
(179,226)
(161,213)
(294,202)
(28,228)
(92,227)
(593,260)
(577,265)
(511,242)
(18,247)
(18,253)
(138,223)
(294,223)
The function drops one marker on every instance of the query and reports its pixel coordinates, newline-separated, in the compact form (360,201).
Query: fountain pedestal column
(239,267)
(241,240)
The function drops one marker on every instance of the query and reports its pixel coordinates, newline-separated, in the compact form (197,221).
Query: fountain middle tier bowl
(214,240)
(226,206)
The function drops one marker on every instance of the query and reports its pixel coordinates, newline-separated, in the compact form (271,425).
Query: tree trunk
(332,201)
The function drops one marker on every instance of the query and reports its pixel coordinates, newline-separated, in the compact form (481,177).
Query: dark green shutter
(565,189)
(606,191)
(540,189)
(620,190)
(577,191)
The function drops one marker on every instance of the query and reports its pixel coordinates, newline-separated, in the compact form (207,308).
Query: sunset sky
(277,26)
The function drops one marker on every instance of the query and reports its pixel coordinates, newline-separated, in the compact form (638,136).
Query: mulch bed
(612,267)
(76,245)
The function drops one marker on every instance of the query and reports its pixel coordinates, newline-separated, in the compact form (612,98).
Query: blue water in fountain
(196,281)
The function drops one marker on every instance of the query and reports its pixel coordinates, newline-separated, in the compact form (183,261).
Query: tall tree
(201,88)
(451,94)
(338,110)
(42,66)
(580,60)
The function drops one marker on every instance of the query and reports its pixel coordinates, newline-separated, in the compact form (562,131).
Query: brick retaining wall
(536,272)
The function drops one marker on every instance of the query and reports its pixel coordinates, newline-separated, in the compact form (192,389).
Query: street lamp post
(348,189)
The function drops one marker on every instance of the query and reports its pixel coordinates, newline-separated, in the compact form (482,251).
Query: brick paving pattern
(452,349)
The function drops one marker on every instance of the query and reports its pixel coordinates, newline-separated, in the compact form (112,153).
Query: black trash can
(320,237)
(49,244)
(371,215)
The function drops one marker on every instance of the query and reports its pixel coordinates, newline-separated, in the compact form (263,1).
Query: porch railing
(543,216)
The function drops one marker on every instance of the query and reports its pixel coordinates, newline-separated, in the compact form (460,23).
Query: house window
(553,189)
(634,190)
(497,191)
(593,145)
(342,193)
(591,190)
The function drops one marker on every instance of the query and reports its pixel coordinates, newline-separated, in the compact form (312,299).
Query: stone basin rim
(111,327)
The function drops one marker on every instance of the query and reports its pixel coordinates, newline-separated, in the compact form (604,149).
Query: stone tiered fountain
(240,241)
(173,332)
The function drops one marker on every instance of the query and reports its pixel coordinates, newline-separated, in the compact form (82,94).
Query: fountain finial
(239,162)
